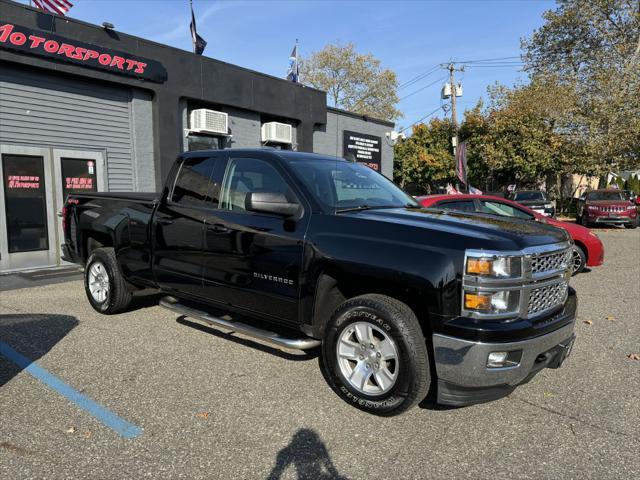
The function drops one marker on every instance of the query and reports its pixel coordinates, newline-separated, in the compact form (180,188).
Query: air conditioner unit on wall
(203,120)
(277,132)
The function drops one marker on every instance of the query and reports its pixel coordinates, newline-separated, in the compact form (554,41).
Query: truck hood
(609,203)
(506,232)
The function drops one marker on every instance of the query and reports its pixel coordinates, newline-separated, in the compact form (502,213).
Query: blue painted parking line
(110,419)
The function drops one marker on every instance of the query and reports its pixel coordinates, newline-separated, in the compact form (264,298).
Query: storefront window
(25,204)
(78,176)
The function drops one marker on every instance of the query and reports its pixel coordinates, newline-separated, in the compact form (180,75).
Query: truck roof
(288,154)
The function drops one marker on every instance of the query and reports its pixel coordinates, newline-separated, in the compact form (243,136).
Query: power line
(419,77)
(420,120)
(422,88)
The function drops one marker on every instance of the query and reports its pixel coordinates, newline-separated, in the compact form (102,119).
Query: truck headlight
(494,266)
(499,302)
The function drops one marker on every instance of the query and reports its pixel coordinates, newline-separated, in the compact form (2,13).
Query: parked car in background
(535,200)
(588,250)
(602,207)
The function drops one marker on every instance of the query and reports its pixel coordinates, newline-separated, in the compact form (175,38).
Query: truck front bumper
(465,379)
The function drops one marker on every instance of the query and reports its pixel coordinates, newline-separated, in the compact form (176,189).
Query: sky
(409,37)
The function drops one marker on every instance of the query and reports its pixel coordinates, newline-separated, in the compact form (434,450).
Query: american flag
(59,7)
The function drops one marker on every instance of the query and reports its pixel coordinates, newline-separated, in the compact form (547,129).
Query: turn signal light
(476,301)
(479,266)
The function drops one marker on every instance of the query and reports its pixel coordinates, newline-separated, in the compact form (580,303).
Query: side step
(248,330)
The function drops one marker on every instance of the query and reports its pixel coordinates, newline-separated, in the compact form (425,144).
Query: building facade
(86,108)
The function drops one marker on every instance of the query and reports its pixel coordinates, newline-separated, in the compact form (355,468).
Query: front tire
(584,222)
(579,259)
(104,284)
(375,356)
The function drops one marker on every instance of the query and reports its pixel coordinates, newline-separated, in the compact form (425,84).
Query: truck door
(253,260)
(178,227)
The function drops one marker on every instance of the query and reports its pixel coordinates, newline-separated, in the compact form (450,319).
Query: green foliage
(518,138)
(353,81)
(425,159)
(633,183)
(593,47)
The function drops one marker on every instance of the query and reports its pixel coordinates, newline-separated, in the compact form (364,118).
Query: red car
(606,207)
(588,249)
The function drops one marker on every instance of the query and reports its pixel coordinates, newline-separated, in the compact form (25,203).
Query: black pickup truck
(305,251)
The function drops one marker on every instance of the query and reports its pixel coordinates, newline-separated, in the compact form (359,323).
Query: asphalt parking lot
(176,401)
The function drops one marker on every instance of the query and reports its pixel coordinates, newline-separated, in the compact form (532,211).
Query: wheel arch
(333,287)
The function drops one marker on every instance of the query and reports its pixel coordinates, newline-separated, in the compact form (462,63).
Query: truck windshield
(342,185)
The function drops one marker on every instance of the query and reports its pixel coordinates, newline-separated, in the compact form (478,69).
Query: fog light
(497,359)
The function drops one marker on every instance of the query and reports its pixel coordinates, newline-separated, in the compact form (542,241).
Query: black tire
(584,222)
(631,225)
(399,323)
(579,259)
(118,296)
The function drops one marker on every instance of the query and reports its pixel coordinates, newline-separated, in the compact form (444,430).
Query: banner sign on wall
(364,148)
(49,45)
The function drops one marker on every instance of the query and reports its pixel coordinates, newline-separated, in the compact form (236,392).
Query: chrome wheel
(368,358)
(98,282)
(576,260)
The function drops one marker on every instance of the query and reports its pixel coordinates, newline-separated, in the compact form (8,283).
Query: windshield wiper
(360,208)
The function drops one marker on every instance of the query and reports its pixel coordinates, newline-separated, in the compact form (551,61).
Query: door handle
(218,228)
(165,221)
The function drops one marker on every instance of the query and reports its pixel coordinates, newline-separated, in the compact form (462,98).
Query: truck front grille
(551,262)
(547,297)
(612,209)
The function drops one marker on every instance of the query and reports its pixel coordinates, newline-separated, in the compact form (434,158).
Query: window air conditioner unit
(276,132)
(203,120)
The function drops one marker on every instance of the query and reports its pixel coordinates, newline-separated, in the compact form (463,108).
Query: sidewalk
(36,278)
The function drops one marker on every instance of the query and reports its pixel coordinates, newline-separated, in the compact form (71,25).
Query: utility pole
(454,91)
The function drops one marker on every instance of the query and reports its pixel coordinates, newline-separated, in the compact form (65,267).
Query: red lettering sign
(49,44)
(23,182)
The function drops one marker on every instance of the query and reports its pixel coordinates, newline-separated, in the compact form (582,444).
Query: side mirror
(270,202)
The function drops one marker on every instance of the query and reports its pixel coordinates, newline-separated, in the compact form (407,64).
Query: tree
(593,46)
(521,137)
(425,160)
(353,81)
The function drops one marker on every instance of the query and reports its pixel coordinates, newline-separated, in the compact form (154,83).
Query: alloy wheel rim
(368,358)
(577,260)
(98,282)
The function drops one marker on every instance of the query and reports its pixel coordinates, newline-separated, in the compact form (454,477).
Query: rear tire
(375,356)
(106,288)
(579,259)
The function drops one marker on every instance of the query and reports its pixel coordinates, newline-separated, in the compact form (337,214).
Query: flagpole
(193,43)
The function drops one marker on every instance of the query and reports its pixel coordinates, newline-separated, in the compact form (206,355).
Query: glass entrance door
(76,171)
(27,225)
(34,182)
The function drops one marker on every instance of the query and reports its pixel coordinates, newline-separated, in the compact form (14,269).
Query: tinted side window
(502,209)
(246,175)
(192,184)
(460,206)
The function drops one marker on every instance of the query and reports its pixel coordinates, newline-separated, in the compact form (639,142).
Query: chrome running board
(238,327)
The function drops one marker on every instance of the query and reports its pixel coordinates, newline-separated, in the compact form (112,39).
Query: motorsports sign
(365,148)
(55,47)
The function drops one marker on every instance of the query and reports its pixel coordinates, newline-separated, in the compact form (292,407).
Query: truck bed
(145,197)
